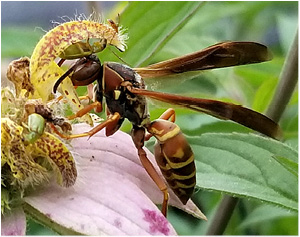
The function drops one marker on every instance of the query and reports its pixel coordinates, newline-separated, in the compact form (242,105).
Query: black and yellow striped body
(175,158)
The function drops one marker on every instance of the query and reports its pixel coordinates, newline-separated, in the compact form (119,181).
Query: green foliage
(13,39)
(150,26)
(261,217)
(242,165)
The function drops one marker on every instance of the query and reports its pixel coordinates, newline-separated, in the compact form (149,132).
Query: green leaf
(256,74)
(19,41)
(217,126)
(264,214)
(264,95)
(151,26)
(290,165)
(244,165)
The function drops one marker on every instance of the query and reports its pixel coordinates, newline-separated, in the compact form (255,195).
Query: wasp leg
(138,135)
(56,100)
(111,120)
(113,127)
(54,129)
(87,109)
(84,97)
(169,114)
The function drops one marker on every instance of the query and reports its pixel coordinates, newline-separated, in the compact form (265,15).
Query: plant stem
(288,80)
(287,83)
(222,216)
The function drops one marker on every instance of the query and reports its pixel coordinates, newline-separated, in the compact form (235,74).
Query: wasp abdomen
(175,158)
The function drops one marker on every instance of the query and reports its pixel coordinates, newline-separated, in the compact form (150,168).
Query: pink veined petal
(13,222)
(90,210)
(104,201)
(127,162)
(113,194)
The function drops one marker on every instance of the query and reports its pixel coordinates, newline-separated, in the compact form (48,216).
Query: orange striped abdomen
(175,158)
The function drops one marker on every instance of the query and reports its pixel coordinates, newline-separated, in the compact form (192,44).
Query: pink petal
(126,162)
(13,222)
(112,191)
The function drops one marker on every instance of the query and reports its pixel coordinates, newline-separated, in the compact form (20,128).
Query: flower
(113,194)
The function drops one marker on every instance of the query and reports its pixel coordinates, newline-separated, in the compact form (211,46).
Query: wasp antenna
(57,83)
(121,59)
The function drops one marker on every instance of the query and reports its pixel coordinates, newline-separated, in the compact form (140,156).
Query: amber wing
(222,110)
(220,55)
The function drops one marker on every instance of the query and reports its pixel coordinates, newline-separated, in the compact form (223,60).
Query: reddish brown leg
(54,129)
(156,178)
(56,100)
(107,111)
(111,120)
(169,114)
(84,97)
(86,109)
(138,135)
(113,126)
(61,97)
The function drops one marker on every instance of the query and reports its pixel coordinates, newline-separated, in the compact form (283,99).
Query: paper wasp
(125,96)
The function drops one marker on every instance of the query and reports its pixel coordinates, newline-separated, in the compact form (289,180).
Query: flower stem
(46,221)
(284,91)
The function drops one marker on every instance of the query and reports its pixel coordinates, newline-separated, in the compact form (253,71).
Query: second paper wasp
(126,96)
